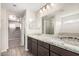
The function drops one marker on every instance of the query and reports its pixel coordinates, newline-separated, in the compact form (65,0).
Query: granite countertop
(65,43)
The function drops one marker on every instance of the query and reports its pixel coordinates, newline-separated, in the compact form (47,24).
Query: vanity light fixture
(44,8)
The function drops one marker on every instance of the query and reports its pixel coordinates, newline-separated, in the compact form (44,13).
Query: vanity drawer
(43,44)
(62,51)
(42,51)
(53,54)
(34,40)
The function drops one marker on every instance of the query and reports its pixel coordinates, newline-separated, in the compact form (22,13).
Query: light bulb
(47,6)
(30,20)
(52,4)
(44,9)
(40,11)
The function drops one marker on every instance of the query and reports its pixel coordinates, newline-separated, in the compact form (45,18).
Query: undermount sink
(37,34)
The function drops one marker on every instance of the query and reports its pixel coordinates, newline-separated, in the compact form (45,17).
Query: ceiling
(18,8)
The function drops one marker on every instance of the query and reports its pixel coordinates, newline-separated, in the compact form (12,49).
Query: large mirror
(70,23)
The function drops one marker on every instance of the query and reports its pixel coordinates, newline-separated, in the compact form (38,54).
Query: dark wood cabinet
(61,51)
(53,54)
(29,44)
(43,48)
(34,47)
(43,44)
(34,40)
(42,51)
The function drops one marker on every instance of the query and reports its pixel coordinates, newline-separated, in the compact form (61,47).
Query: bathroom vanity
(44,46)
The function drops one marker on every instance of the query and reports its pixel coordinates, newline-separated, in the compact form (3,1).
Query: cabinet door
(43,44)
(53,54)
(34,48)
(30,44)
(62,51)
(42,51)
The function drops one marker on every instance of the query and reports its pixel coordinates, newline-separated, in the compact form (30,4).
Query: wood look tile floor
(18,51)
(14,45)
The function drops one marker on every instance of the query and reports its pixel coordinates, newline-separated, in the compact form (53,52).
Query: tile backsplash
(69,34)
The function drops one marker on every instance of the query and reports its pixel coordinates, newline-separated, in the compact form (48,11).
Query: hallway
(14,38)
(14,44)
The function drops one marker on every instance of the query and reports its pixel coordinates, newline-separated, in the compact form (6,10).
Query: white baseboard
(3,50)
(26,50)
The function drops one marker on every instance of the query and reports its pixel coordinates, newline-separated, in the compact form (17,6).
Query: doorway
(14,34)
